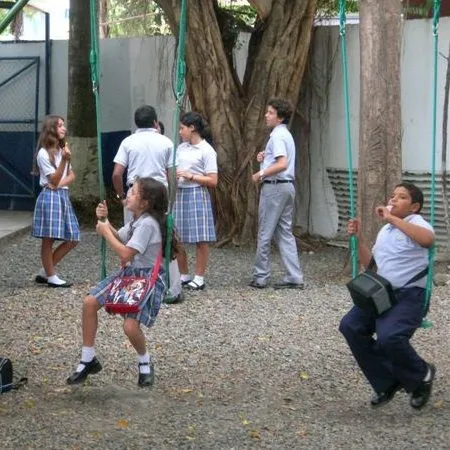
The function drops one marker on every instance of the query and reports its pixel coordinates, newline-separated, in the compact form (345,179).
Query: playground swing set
(179,95)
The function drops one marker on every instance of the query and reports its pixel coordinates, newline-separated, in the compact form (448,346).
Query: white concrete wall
(328,132)
(139,70)
(417,78)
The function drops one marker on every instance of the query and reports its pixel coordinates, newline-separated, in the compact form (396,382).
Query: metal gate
(19,106)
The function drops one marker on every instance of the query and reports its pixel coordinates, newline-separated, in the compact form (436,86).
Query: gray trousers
(276,208)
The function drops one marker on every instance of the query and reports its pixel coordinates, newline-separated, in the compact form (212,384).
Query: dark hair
(48,139)
(145,116)
(199,123)
(415,193)
(283,108)
(155,193)
(162,128)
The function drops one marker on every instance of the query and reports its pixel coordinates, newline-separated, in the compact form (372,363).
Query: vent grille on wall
(339,181)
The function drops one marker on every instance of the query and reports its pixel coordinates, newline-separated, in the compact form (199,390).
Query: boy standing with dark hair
(276,204)
(145,154)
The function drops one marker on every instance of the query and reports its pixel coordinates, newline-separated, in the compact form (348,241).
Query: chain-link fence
(19,91)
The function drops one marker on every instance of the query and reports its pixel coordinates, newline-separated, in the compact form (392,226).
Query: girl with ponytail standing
(196,172)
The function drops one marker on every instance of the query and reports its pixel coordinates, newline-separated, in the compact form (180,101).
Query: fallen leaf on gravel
(243,419)
(254,434)
(302,432)
(265,338)
(439,404)
(62,389)
(303,375)
(122,424)
(290,407)
(29,403)
(187,390)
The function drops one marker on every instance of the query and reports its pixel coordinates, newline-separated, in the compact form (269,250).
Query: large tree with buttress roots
(277,56)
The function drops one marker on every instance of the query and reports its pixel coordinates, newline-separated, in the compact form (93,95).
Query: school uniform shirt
(146,153)
(143,235)
(46,167)
(281,143)
(199,159)
(399,257)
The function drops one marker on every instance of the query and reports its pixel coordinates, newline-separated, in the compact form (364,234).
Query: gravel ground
(235,367)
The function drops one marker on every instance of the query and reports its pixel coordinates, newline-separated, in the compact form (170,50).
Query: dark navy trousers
(390,358)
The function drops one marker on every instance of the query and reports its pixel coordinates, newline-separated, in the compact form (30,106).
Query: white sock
(55,279)
(427,376)
(87,355)
(185,277)
(199,280)
(145,359)
(42,273)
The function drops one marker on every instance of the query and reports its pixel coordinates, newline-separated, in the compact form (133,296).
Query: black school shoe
(420,396)
(255,284)
(147,379)
(193,286)
(383,398)
(90,368)
(288,285)
(40,279)
(63,285)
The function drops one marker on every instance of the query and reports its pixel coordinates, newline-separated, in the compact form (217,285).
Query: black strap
(416,277)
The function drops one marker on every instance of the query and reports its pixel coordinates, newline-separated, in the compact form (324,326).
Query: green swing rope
(354,257)
(94,60)
(180,89)
(353,239)
(436,13)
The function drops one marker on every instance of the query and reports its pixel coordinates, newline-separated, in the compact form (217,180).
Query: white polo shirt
(199,159)
(146,153)
(399,257)
(281,143)
(46,167)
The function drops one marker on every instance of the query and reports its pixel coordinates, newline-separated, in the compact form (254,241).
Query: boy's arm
(364,253)
(423,236)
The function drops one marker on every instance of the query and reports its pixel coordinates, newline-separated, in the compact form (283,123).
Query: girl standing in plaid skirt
(196,172)
(54,218)
(138,245)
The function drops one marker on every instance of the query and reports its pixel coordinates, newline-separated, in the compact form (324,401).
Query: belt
(277,181)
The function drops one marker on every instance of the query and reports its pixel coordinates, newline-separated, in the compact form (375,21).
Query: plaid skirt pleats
(193,215)
(54,216)
(152,303)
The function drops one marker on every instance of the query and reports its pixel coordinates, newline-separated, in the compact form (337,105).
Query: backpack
(6,376)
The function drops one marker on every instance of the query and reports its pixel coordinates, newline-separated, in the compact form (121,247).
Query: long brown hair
(155,193)
(48,139)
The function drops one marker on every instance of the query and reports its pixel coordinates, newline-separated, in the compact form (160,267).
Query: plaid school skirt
(147,315)
(193,215)
(54,216)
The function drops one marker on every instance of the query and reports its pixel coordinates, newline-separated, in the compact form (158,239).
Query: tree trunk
(103,18)
(380,136)
(235,110)
(81,106)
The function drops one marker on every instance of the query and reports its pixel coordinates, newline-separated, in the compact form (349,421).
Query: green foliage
(330,8)
(418,10)
(127,18)
(245,15)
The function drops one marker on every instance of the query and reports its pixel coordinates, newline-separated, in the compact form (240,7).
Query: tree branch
(263,7)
